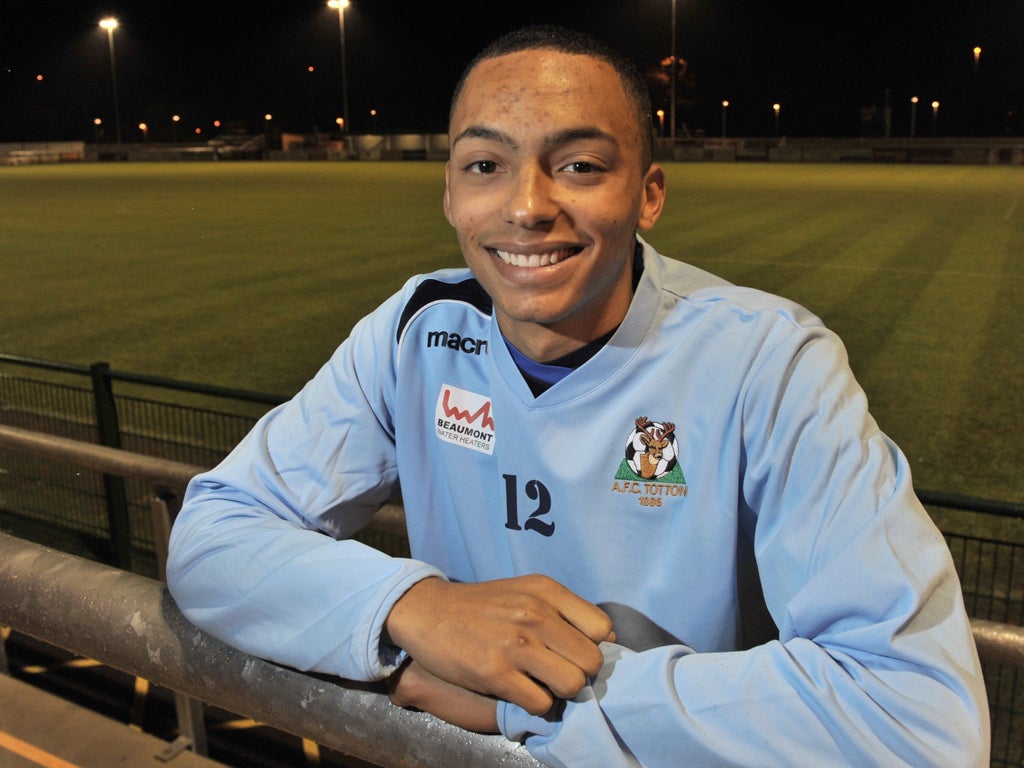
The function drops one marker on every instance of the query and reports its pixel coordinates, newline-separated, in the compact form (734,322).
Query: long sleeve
(258,555)
(874,664)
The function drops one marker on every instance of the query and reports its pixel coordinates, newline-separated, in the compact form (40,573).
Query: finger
(539,639)
(557,675)
(567,649)
(556,657)
(554,618)
(586,617)
(521,689)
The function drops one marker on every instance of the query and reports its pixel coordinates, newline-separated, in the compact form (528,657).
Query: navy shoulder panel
(429,291)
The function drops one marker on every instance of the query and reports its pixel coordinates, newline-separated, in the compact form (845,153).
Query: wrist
(401,624)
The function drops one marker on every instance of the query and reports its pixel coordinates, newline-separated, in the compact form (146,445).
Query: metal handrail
(164,475)
(131,623)
(113,461)
(168,480)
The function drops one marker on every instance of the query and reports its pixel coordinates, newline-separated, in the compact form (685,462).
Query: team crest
(652,454)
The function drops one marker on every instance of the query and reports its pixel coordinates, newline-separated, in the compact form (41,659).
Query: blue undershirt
(540,376)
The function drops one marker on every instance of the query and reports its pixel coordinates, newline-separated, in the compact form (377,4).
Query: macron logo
(464,418)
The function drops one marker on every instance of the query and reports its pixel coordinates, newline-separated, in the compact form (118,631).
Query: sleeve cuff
(383,659)
(515,723)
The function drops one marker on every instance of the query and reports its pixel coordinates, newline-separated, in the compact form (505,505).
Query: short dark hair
(571,41)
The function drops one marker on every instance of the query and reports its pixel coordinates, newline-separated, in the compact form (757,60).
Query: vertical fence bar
(165,504)
(109,434)
(4,632)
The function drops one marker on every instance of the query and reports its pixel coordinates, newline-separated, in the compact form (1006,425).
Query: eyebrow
(567,136)
(481,132)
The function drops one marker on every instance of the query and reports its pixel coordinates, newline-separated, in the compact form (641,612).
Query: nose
(532,201)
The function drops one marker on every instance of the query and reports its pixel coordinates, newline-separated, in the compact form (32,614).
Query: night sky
(823,63)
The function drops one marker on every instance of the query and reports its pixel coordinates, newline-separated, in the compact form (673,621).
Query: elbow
(961,738)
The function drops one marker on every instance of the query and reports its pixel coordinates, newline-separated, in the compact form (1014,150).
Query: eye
(483,167)
(581,166)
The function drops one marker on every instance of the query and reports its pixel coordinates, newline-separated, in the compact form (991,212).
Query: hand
(412,686)
(525,640)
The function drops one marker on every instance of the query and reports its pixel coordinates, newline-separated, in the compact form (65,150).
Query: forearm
(286,593)
(414,687)
(875,665)
(793,705)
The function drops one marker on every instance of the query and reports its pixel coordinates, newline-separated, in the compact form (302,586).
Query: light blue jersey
(711,478)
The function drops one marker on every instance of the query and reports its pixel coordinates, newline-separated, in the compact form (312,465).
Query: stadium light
(110,24)
(340,6)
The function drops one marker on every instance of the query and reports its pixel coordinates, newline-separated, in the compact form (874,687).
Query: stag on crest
(655,439)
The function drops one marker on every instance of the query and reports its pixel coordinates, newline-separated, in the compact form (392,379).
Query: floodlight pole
(672,81)
(340,6)
(110,24)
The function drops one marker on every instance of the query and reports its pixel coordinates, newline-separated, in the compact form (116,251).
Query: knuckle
(525,610)
(571,685)
(541,704)
(494,666)
(592,665)
(539,583)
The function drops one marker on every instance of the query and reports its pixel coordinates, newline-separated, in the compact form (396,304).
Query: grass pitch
(248,275)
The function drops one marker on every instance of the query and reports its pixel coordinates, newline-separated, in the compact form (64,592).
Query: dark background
(824,63)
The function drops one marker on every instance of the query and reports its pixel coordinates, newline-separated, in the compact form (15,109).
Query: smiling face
(546,189)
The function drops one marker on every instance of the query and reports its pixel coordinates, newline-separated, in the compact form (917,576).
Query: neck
(546,343)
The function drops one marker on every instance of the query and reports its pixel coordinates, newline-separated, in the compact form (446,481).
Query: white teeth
(531,260)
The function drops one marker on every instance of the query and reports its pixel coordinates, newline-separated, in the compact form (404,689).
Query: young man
(609,461)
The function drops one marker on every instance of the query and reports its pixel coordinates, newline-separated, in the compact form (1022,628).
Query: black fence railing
(98,515)
(107,518)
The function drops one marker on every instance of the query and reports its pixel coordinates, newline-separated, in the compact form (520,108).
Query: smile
(536,259)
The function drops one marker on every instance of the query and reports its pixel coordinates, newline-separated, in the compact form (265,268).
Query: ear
(653,197)
(447,200)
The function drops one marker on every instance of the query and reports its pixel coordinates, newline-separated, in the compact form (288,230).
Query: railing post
(4,632)
(109,433)
(164,507)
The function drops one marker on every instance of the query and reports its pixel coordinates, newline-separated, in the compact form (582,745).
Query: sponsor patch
(464,418)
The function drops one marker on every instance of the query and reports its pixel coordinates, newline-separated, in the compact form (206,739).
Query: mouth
(531,260)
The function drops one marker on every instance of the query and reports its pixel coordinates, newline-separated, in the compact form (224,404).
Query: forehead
(541,86)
